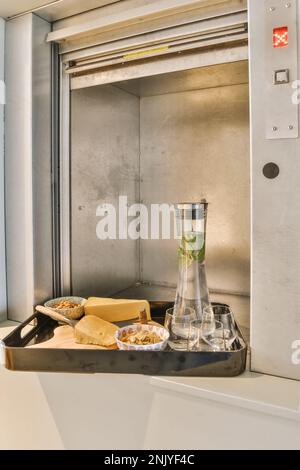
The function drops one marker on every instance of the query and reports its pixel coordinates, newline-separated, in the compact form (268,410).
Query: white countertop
(261,393)
(265,394)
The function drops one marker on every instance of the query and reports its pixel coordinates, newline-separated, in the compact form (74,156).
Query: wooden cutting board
(64,339)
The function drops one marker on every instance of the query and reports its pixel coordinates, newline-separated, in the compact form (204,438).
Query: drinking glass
(202,328)
(179,327)
(208,320)
(203,339)
(195,335)
(230,331)
(195,341)
(216,338)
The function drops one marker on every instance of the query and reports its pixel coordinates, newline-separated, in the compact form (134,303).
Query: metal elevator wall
(189,143)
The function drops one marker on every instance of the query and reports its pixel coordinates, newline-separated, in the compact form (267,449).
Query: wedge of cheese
(116,310)
(94,330)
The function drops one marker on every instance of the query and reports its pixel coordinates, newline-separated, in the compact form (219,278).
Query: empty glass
(208,320)
(179,327)
(215,339)
(202,339)
(226,318)
(195,342)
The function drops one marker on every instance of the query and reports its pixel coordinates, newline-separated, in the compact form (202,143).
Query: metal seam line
(2,93)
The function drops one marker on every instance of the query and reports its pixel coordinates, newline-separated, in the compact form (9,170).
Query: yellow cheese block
(94,330)
(116,310)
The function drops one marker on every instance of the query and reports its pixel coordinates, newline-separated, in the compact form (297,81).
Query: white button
(281,76)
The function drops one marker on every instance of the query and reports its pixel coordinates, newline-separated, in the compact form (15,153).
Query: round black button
(271,171)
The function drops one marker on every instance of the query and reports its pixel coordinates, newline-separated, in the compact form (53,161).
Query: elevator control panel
(281,69)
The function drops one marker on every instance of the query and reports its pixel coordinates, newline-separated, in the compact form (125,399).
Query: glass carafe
(192,291)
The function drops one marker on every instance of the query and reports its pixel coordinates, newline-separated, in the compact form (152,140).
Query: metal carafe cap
(191,210)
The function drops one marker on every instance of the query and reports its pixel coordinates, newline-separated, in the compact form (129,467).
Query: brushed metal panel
(64,184)
(3,305)
(191,28)
(50,10)
(18,195)
(234,73)
(195,145)
(275,319)
(104,165)
(281,114)
(145,11)
(113,14)
(69,8)
(12,8)
(162,65)
(41,162)
(28,166)
(214,32)
(212,7)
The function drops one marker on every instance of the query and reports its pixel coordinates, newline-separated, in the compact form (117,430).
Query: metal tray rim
(169,363)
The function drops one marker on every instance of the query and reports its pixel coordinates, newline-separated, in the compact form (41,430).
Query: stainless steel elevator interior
(173,137)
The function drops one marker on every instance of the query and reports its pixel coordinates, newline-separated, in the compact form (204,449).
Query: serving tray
(18,356)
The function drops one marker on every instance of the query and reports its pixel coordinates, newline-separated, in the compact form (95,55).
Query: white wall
(2,230)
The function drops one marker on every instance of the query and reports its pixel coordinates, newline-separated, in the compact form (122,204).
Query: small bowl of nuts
(70,307)
(142,338)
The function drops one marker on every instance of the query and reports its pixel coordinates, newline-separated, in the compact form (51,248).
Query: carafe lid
(191,210)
